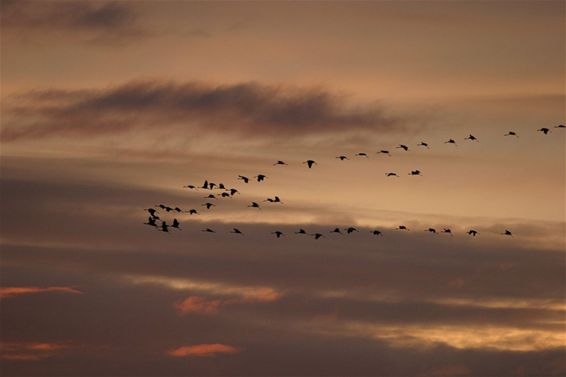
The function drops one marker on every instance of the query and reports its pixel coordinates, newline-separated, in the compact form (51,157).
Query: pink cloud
(30,351)
(203,350)
(6,292)
(197,304)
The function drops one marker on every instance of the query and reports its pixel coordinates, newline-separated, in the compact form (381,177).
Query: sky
(109,108)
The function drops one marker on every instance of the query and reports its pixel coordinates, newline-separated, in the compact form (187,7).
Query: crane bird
(507,233)
(415,172)
(208,205)
(211,196)
(234,191)
(254,205)
(301,231)
(472,232)
(205,185)
(260,177)
(193,211)
(350,230)
(336,230)
(384,151)
(447,230)
(151,221)
(361,154)
(280,163)
(152,212)
(423,144)
(560,126)
(471,138)
(176,224)
(317,235)
(342,158)
(402,227)
(277,233)
(208,230)
(274,200)
(544,130)
(403,147)
(310,163)
(511,133)
(391,175)
(450,141)
(192,187)
(164,227)
(243,178)
(431,230)
(236,231)
(376,233)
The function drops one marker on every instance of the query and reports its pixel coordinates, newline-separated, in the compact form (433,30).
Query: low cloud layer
(6,292)
(248,109)
(203,350)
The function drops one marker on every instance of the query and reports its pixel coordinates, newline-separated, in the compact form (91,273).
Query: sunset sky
(108,108)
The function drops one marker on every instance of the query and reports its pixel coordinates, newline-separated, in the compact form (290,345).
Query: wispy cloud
(203,350)
(250,109)
(30,351)
(6,292)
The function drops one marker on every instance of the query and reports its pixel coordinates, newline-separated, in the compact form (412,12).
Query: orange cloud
(197,304)
(6,292)
(202,350)
(29,351)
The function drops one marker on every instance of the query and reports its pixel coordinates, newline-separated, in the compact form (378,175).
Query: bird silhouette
(211,185)
(317,235)
(342,158)
(471,138)
(151,221)
(403,147)
(274,200)
(383,151)
(450,141)
(361,154)
(244,178)
(177,209)
(225,194)
(402,227)
(415,172)
(350,230)
(236,231)
(176,224)
(164,227)
(391,175)
(511,133)
(193,211)
(472,232)
(205,185)
(221,186)
(423,144)
(507,233)
(336,230)
(301,231)
(152,212)
(208,230)
(560,126)
(544,130)
(254,205)
(234,191)
(208,205)
(260,177)
(376,233)
(277,233)
(431,230)
(192,187)
(211,196)
(447,230)
(280,163)
(310,163)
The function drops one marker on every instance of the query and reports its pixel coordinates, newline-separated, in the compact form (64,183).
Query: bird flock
(220,190)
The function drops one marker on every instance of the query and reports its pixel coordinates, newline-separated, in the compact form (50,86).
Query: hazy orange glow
(6,292)
(203,350)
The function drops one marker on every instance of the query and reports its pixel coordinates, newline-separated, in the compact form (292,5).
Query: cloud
(29,351)
(6,292)
(197,304)
(203,350)
(99,22)
(249,109)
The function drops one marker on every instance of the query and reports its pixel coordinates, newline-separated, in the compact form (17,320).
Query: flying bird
(192,187)
(350,230)
(391,175)
(164,227)
(402,227)
(193,211)
(211,196)
(471,138)
(415,172)
(178,209)
(507,233)
(342,158)
(208,230)
(260,177)
(544,130)
(472,232)
(208,205)
(560,126)
(234,191)
(176,224)
(403,147)
(274,200)
(221,186)
(450,141)
(244,178)
(376,233)
(317,236)
(280,163)
(447,230)
(301,231)
(151,221)
(361,154)
(152,212)
(383,151)
(277,233)
(310,163)
(205,185)
(211,185)
(236,231)
(511,133)
(254,205)
(225,195)
(423,144)
(336,230)
(431,230)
